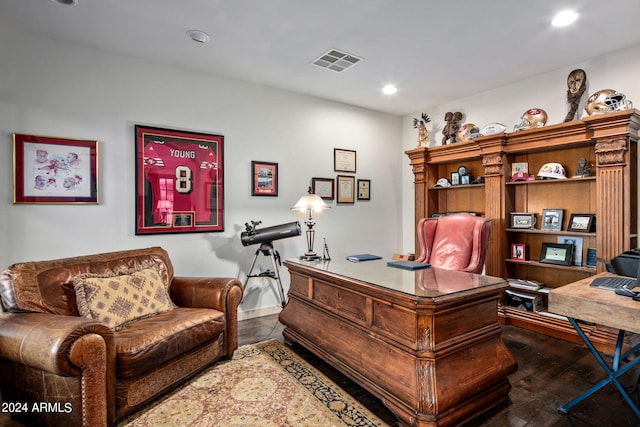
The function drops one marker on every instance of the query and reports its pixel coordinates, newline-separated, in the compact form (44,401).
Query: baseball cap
(522,176)
(443,182)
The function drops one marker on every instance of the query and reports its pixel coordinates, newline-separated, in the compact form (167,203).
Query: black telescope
(253,236)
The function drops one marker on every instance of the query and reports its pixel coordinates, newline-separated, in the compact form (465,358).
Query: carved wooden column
(616,194)
(418,157)
(494,206)
(612,190)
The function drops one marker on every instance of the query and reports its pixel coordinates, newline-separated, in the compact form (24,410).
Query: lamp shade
(310,201)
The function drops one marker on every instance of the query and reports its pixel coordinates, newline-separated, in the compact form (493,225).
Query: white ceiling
(432,50)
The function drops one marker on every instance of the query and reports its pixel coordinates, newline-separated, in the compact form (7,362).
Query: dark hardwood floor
(551,372)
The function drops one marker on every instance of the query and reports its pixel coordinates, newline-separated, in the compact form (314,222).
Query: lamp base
(310,256)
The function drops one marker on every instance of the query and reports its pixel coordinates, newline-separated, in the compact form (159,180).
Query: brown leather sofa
(60,368)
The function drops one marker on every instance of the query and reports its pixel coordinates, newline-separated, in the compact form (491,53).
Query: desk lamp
(310,202)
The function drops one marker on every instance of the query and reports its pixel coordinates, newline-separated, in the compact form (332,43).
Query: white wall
(617,70)
(50,88)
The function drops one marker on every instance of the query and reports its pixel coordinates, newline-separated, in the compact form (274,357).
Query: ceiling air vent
(337,60)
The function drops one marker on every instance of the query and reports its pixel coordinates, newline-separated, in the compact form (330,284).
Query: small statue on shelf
(451,128)
(576,85)
(423,134)
(583,169)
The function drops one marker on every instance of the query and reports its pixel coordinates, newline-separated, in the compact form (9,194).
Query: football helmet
(606,101)
(552,171)
(532,118)
(468,131)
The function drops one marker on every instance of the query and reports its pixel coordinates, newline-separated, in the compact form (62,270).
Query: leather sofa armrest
(66,346)
(221,293)
(45,341)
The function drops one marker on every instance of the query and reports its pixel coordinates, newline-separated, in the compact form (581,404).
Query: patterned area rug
(265,385)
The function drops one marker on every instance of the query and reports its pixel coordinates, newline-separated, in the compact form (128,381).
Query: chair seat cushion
(146,344)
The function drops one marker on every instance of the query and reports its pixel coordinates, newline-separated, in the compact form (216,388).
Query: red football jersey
(181,176)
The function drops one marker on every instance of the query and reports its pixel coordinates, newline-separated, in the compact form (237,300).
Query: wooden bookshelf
(607,141)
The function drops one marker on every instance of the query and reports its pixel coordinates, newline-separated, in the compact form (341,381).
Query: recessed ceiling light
(67,2)
(564,18)
(389,89)
(199,36)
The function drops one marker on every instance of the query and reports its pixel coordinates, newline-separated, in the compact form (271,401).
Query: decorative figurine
(423,134)
(451,128)
(576,84)
(583,170)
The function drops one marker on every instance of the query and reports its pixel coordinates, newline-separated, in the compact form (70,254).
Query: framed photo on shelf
(346,189)
(525,220)
(323,187)
(464,179)
(519,251)
(577,247)
(49,169)
(344,160)
(179,181)
(556,253)
(364,189)
(583,223)
(264,179)
(455,178)
(519,167)
(552,219)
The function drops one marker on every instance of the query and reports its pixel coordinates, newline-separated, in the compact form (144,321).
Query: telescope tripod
(267,250)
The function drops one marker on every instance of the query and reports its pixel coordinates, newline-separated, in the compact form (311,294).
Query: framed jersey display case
(179,181)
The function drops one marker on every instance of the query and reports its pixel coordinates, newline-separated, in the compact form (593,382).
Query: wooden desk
(426,342)
(580,301)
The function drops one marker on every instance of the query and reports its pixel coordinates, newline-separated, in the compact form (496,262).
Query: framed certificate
(364,189)
(179,181)
(344,160)
(346,189)
(323,187)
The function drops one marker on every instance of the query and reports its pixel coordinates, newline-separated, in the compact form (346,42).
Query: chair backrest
(47,286)
(454,242)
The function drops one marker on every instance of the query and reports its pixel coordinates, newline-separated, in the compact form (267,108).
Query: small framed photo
(523,220)
(519,251)
(577,243)
(464,179)
(583,223)
(344,160)
(455,178)
(556,253)
(364,189)
(552,219)
(519,167)
(264,178)
(54,170)
(346,189)
(323,187)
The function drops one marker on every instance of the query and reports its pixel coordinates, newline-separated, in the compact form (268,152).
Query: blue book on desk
(362,257)
(408,265)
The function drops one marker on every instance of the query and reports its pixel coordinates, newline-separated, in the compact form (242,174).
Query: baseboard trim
(258,312)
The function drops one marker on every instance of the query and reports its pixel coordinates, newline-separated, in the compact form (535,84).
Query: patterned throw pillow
(119,299)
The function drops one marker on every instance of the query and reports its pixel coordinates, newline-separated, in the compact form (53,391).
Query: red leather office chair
(454,242)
